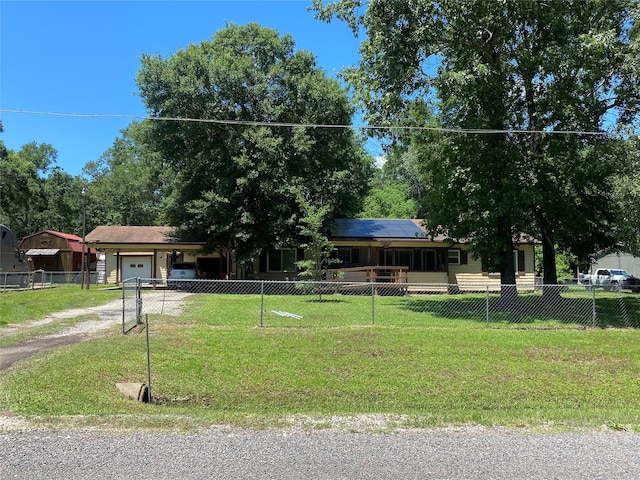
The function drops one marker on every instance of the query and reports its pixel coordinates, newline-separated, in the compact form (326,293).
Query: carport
(145,251)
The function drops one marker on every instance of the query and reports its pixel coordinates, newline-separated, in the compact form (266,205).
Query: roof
(363,228)
(74,242)
(45,252)
(393,229)
(135,235)
(67,236)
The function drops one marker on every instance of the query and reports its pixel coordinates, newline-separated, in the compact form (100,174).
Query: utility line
(254,123)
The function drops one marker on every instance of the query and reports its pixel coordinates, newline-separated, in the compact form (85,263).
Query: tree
(61,209)
(22,176)
(627,192)
(318,248)
(520,71)
(397,190)
(391,200)
(239,163)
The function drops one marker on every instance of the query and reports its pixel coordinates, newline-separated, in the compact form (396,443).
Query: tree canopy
(533,91)
(238,159)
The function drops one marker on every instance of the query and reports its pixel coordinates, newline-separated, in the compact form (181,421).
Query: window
(518,261)
(283,260)
(453,256)
(404,258)
(488,265)
(344,255)
(400,258)
(429,260)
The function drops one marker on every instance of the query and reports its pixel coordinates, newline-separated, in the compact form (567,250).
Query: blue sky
(81,57)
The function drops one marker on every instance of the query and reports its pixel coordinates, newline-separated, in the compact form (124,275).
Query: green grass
(24,305)
(215,364)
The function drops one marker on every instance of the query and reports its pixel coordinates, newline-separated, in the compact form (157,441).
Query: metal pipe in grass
(148,360)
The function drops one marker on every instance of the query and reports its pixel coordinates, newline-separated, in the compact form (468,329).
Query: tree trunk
(508,289)
(550,290)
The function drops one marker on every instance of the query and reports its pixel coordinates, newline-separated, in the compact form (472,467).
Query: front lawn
(214,364)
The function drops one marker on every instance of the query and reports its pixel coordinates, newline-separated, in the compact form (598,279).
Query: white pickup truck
(611,279)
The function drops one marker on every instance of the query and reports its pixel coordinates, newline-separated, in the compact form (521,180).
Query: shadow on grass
(611,312)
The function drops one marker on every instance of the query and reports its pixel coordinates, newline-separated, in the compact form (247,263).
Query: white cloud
(380,161)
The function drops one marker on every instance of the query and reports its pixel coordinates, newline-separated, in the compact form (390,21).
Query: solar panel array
(374,228)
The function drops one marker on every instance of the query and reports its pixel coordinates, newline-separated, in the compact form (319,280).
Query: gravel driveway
(226,453)
(108,315)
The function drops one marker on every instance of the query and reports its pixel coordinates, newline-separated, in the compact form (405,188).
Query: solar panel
(375,228)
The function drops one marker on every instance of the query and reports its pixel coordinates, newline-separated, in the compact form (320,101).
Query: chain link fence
(42,279)
(305,304)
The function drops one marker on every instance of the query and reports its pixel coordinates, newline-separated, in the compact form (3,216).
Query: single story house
(55,252)
(398,250)
(374,250)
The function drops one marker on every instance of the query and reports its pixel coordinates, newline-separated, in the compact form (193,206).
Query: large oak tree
(521,72)
(238,168)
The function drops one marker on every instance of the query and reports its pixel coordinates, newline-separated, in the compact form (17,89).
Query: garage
(136,265)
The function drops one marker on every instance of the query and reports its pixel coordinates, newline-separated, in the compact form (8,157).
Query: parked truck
(611,279)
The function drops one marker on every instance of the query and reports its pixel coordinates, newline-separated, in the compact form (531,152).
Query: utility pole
(84,227)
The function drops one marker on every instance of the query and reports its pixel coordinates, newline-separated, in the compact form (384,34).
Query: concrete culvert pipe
(135,391)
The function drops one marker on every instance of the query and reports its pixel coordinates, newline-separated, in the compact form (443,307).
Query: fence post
(373,304)
(261,303)
(138,302)
(486,302)
(124,291)
(148,360)
(594,317)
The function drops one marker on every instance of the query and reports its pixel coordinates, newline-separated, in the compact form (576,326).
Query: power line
(254,123)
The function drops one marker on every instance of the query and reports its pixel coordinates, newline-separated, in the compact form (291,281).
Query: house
(372,250)
(55,252)
(397,250)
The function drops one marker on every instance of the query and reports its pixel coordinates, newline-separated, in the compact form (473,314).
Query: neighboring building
(613,258)
(10,258)
(55,252)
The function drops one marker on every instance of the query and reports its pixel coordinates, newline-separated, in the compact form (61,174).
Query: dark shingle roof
(160,235)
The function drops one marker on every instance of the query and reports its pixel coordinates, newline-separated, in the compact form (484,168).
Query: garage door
(133,267)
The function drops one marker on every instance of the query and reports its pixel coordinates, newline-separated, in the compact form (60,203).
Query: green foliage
(566,264)
(23,200)
(318,248)
(627,192)
(389,201)
(236,183)
(505,67)
(129,183)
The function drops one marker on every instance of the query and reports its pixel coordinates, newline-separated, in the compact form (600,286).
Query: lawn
(221,361)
